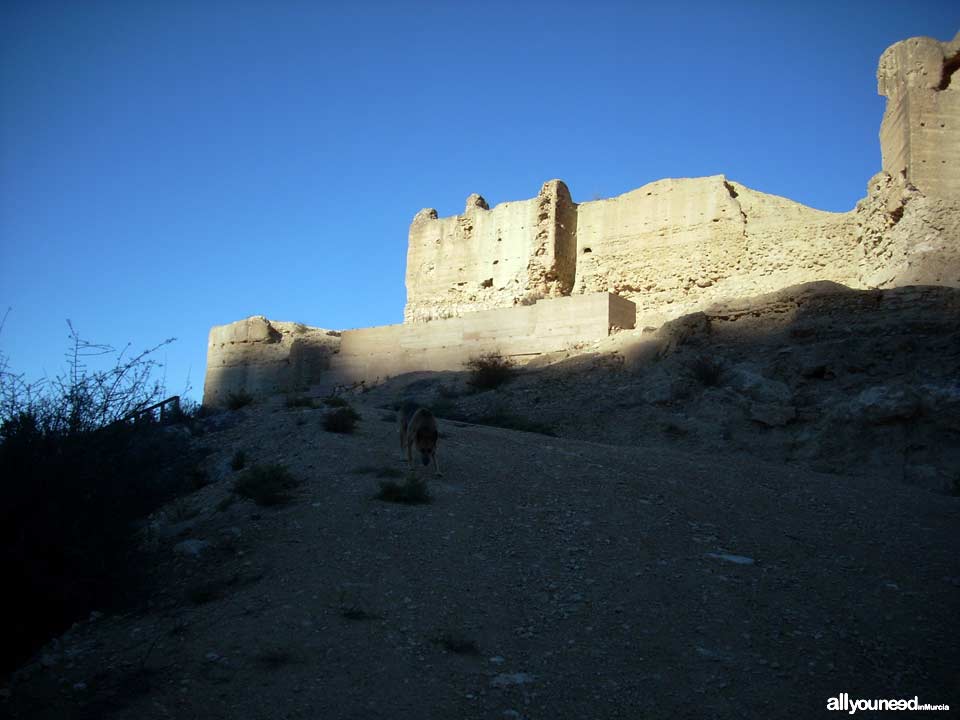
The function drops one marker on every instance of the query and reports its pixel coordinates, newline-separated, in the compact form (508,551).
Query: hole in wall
(487,283)
(586,250)
(495,262)
(949,68)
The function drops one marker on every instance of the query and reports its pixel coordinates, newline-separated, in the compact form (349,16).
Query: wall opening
(949,68)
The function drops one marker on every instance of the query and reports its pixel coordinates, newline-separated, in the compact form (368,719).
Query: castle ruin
(535,276)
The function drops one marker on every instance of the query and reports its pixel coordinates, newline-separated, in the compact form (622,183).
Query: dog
(418,427)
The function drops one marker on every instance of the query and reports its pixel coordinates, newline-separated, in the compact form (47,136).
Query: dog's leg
(436,464)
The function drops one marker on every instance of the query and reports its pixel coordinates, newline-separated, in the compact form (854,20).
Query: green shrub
(384,471)
(505,419)
(341,420)
(266,484)
(299,401)
(489,371)
(412,491)
(457,643)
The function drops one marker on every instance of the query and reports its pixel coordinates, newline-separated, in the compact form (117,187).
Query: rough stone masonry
(671,247)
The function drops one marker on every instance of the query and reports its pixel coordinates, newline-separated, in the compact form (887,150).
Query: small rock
(772,414)
(508,679)
(882,404)
(191,548)
(737,559)
(497,660)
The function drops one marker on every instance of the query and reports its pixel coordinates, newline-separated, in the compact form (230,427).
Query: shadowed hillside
(666,550)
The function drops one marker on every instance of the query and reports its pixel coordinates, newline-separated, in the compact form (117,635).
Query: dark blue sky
(168,166)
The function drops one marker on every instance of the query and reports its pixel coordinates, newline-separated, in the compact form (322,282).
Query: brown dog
(418,428)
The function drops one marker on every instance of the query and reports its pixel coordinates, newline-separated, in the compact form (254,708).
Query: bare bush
(489,370)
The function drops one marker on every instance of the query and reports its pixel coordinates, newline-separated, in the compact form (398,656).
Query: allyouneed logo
(843,703)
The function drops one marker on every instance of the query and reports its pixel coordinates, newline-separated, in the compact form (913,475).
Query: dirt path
(549,579)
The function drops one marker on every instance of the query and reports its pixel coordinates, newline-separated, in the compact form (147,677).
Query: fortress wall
(547,326)
(909,224)
(672,247)
(262,357)
(513,254)
(920,131)
(676,245)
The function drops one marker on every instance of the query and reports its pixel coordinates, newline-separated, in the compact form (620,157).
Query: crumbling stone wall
(262,357)
(670,247)
(513,254)
(907,237)
(920,132)
(674,246)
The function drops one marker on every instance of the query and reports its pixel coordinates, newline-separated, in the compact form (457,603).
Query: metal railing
(169,408)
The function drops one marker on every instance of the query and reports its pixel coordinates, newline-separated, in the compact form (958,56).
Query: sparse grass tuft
(239,399)
(675,430)
(456,643)
(335,401)
(489,371)
(266,484)
(299,401)
(381,472)
(274,658)
(238,461)
(226,502)
(412,491)
(355,613)
(341,420)
(504,419)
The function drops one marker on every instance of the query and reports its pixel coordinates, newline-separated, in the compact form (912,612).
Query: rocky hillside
(667,552)
(817,376)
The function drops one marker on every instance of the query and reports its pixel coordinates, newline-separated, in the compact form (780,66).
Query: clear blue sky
(169,166)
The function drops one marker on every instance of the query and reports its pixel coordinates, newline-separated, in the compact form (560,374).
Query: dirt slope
(591,579)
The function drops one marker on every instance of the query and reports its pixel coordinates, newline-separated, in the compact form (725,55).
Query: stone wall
(670,246)
(674,246)
(262,357)
(513,254)
(907,237)
(520,333)
(920,132)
